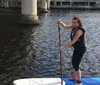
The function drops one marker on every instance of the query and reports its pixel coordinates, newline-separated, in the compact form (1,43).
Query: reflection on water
(33,51)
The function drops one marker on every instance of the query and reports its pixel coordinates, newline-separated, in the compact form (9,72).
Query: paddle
(60,53)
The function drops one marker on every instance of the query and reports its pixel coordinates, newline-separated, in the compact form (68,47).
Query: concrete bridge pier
(45,5)
(48,4)
(29,12)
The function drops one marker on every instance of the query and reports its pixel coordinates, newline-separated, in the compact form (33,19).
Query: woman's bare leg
(74,76)
(78,74)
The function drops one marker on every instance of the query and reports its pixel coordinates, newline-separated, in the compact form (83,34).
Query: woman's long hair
(78,20)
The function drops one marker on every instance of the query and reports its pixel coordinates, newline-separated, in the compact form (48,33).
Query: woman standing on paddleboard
(78,43)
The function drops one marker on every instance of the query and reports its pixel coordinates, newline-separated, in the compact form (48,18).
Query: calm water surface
(27,51)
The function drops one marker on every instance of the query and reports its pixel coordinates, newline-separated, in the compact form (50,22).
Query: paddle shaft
(60,52)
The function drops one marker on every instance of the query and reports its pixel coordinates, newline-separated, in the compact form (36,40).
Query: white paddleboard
(38,81)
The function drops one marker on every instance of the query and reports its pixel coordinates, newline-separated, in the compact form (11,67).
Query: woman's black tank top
(80,43)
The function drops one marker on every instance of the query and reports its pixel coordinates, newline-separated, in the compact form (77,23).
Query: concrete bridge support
(29,12)
(45,5)
(48,4)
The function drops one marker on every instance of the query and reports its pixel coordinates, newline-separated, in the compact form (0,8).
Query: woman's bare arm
(64,25)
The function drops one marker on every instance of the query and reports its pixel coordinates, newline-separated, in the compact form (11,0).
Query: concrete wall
(77,0)
(10,3)
(74,4)
(17,3)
